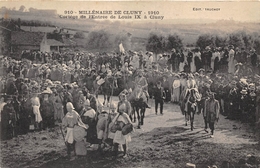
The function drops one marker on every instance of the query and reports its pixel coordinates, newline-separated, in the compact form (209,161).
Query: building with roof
(34,41)
(51,45)
(21,40)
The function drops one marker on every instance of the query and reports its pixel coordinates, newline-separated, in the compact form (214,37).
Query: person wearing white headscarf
(71,121)
(121,119)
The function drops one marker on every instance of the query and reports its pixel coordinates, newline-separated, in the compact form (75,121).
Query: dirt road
(163,141)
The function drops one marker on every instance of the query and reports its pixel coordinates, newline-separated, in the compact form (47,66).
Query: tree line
(159,43)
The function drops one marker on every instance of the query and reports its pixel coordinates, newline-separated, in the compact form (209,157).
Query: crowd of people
(43,90)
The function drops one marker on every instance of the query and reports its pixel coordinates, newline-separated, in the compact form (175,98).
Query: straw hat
(243,91)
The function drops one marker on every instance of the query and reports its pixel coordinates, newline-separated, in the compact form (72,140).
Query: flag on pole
(121,48)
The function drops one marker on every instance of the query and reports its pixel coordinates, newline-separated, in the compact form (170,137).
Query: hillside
(188,30)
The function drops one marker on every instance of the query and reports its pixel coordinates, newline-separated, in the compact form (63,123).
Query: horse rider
(140,81)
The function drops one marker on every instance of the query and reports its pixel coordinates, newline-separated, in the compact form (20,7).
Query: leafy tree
(22,8)
(205,40)
(32,10)
(154,43)
(98,40)
(247,39)
(236,40)
(221,41)
(256,44)
(174,41)
(80,35)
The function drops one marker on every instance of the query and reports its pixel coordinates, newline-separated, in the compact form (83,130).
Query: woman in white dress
(192,64)
(231,61)
(176,89)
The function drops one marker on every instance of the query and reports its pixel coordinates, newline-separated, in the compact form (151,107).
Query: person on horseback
(191,83)
(141,81)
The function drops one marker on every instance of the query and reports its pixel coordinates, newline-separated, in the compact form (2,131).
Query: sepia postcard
(60,45)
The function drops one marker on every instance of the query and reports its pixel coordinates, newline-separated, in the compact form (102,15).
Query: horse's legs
(104,102)
(186,121)
(142,111)
(133,117)
(108,98)
(192,119)
(138,116)
(133,114)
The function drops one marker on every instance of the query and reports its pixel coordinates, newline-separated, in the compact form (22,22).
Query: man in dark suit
(159,96)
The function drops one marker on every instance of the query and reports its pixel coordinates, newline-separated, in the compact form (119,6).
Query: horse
(189,105)
(106,88)
(138,101)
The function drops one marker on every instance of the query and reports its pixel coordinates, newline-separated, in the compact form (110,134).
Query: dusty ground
(163,141)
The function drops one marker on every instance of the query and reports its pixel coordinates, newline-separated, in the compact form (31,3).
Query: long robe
(176,90)
(58,107)
(89,117)
(231,61)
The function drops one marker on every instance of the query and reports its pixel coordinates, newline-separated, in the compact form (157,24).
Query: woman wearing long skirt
(231,61)
(119,139)
(176,89)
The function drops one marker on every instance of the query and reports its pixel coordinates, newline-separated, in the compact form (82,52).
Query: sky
(238,11)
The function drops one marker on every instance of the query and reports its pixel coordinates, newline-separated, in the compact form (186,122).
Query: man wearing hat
(159,96)
(233,101)
(149,59)
(204,89)
(206,58)
(92,99)
(243,104)
(8,119)
(11,88)
(88,79)
(197,59)
(174,61)
(211,112)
